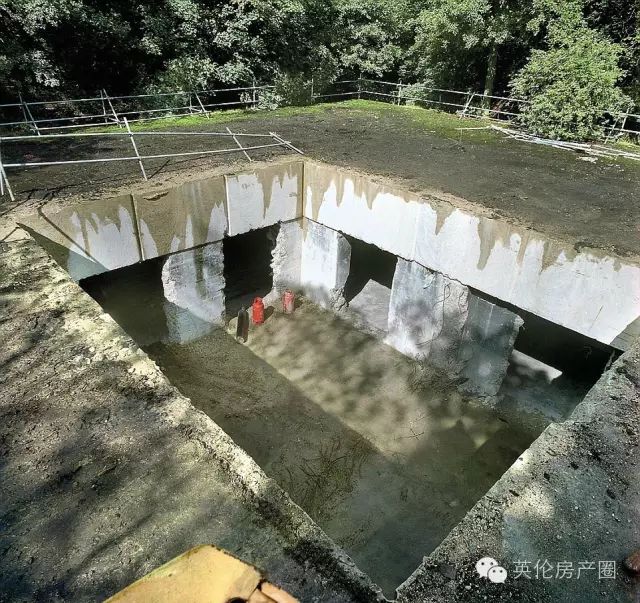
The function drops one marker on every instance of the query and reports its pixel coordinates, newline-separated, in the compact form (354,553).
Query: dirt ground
(550,190)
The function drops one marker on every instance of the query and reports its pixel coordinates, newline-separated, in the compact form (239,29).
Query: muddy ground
(551,190)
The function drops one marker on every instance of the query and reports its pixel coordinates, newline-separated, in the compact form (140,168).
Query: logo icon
(489,568)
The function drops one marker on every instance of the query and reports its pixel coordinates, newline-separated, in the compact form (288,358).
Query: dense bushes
(571,85)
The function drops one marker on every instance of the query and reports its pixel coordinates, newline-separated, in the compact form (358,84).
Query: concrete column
(434,318)
(326,255)
(427,314)
(489,334)
(287,259)
(193,283)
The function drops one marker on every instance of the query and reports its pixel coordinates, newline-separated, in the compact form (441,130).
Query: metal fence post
(3,178)
(104,107)
(254,99)
(399,92)
(135,148)
(311,90)
(206,113)
(28,116)
(360,85)
(113,111)
(467,103)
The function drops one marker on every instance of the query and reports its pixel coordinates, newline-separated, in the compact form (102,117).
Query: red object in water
(257,311)
(288,301)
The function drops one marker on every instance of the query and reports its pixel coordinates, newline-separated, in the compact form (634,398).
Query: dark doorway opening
(247,267)
(368,263)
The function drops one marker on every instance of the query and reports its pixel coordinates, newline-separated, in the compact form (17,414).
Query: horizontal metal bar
(126,135)
(184,92)
(163,156)
(336,94)
(460,92)
(423,100)
(64,101)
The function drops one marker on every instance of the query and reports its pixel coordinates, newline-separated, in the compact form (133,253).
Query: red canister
(288,301)
(257,311)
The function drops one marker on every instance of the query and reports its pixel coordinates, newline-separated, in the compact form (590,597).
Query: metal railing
(105,110)
(43,116)
(465,104)
(276,141)
(111,110)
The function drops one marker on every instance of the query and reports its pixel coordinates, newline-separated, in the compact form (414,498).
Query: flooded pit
(385,453)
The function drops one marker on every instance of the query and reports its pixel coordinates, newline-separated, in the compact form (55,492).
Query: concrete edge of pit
(572,495)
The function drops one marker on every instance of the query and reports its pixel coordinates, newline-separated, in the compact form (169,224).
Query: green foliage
(64,48)
(571,85)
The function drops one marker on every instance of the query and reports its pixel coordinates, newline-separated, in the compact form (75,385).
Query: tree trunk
(489,81)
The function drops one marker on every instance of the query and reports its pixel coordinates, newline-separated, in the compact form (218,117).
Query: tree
(369,36)
(462,43)
(571,85)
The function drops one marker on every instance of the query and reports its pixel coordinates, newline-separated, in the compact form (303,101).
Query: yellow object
(202,574)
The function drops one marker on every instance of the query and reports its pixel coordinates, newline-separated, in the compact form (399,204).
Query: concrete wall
(193,283)
(586,291)
(116,232)
(434,318)
(183,217)
(89,241)
(263,197)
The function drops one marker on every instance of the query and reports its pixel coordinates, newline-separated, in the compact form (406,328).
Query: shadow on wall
(368,263)
(70,261)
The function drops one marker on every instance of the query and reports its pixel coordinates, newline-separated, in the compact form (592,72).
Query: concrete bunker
(385,437)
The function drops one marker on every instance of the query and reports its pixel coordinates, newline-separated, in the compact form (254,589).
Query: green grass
(431,121)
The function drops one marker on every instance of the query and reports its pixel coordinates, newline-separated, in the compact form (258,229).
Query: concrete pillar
(427,314)
(326,255)
(193,283)
(489,334)
(434,318)
(287,259)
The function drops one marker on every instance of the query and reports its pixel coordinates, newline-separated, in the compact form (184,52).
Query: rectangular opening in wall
(552,368)
(367,290)
(247,267)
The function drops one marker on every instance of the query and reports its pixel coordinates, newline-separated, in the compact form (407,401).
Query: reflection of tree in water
(329,475)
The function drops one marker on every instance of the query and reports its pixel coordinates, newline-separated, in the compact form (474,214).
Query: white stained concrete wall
(355,205)
(193,283)
(183,217)
(434,318)
(85,242)
(585,291)
(326,255)
(596,296)
(264,197)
